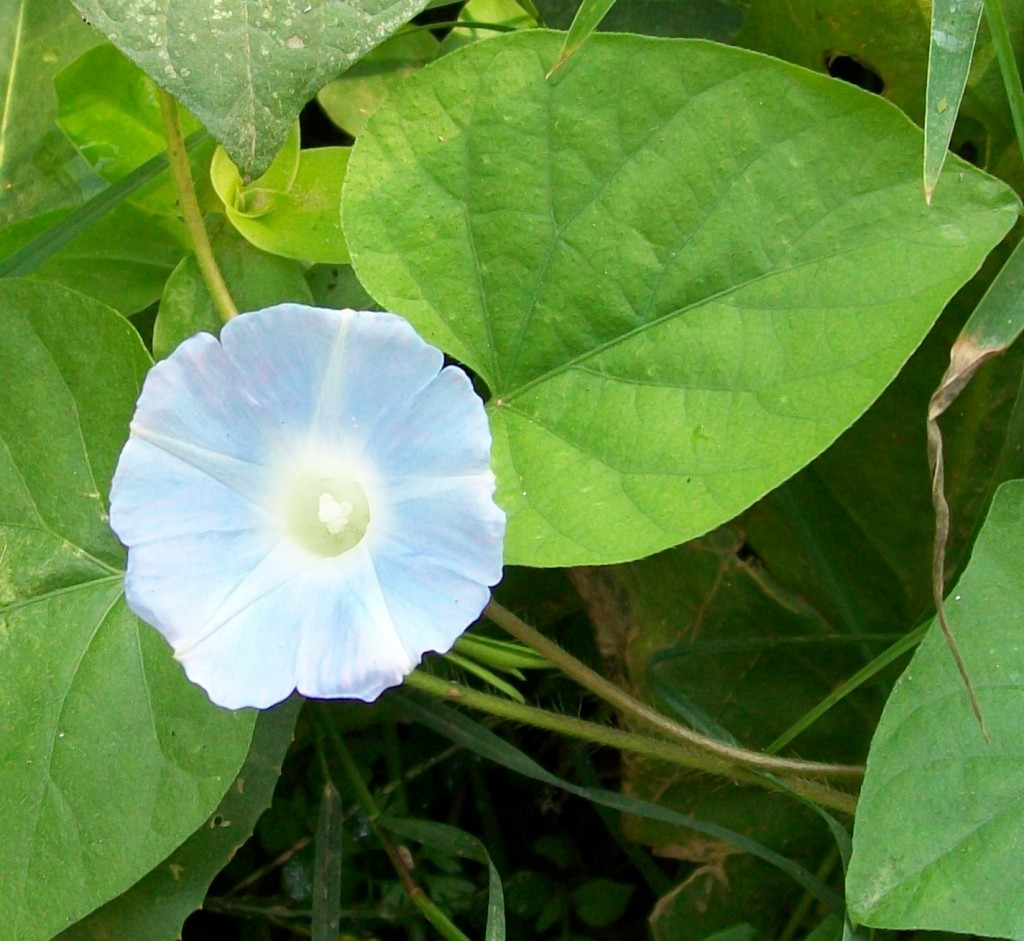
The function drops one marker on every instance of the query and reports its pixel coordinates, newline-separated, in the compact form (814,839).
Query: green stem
(444,925)
(182,176)
(628,705)
(686,757)
(865,673)
(1007,65)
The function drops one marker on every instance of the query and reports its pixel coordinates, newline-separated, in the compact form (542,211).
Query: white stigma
(334,515)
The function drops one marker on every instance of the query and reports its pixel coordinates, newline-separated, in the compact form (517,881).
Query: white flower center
(334,515)
(326,516)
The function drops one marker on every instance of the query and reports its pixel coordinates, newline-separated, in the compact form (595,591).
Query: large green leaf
(940,826)
(678,293)
(39,169)
(155,908)
(109,758)
(245,68)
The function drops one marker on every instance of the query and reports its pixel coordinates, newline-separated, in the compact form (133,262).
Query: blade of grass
(1007,65)
(402,862)
(897,650)
(692,714)
(327,867)
(32,254)
(457,842)
(656,880)
(588,17)
(953,35)
(464,731)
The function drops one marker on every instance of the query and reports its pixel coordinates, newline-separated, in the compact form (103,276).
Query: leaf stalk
(177,158)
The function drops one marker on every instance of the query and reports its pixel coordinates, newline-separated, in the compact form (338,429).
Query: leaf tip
(559,62)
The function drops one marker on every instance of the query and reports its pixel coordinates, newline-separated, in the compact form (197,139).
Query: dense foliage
(741,357)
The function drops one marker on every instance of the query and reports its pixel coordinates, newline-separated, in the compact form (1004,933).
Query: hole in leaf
(746,553)
(970,141)
(969,151)
(849,69)
(318,130)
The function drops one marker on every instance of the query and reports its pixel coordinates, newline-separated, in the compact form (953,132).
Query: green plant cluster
(739,283)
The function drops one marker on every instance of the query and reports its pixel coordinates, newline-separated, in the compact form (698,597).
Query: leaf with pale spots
(245,68)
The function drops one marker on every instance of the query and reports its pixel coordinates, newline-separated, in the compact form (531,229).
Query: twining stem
(686,757)
(616,696)
(177,158)
(398,858)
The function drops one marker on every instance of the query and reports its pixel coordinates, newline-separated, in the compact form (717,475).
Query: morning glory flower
(307,504)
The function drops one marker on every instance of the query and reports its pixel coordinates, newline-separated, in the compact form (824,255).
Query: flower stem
(628,705)
(182,176)
(686,757)
(398,857)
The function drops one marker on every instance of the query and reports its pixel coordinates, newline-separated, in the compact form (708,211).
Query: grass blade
(953,35)
(470,734)
(1007,65)
(457,842)
(32,254)
(588,17)
(327,867)
(994,325)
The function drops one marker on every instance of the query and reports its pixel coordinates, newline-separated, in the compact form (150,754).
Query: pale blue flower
(307,504)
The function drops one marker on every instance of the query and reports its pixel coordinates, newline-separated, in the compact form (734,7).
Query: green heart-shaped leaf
(109,757)
(245,68)
(680,282)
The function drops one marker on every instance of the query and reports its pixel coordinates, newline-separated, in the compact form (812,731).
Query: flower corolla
(307,504)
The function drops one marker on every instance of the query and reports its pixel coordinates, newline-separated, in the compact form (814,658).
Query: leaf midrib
(58,592)
(502,398)
(5,119)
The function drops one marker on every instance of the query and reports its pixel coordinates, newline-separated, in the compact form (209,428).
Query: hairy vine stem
(616,696)
(671,752)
